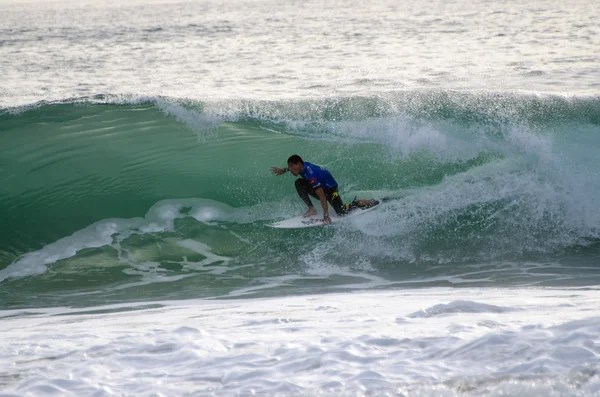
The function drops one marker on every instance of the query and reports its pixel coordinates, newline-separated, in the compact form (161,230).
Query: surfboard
(300,221)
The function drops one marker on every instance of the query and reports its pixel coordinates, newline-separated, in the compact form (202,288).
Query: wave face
(111,198)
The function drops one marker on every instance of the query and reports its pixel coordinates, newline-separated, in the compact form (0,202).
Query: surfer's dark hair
(295,159)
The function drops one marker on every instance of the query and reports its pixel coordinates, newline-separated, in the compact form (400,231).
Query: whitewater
(136,139)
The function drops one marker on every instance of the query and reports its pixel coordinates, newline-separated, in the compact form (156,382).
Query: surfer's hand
(277,170)
(327,220)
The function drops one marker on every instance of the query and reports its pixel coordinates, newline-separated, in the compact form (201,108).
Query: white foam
(523,204)
(481,342)
(460,307)
(205,125)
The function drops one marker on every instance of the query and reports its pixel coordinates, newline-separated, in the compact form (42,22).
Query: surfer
(319,183)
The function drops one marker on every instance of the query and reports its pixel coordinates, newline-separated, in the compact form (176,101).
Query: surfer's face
(295,168)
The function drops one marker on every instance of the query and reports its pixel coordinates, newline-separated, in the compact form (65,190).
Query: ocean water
(135,144)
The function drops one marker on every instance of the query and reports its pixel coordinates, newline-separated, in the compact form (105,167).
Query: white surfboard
(300,221)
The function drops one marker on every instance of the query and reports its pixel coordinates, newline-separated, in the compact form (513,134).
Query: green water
(104,202)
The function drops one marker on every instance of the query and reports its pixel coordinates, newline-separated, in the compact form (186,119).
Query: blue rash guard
(317,176)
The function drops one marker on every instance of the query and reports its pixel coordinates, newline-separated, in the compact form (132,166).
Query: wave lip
(465,106)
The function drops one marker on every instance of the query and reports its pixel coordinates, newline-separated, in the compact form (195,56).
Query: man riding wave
(318,182)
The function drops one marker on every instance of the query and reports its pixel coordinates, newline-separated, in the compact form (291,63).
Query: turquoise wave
(171,196)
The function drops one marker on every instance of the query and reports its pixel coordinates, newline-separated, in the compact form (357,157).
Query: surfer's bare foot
(311,211)
(365,203)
